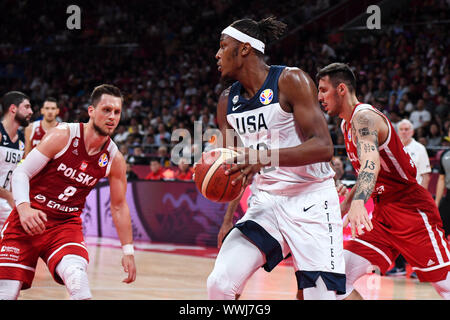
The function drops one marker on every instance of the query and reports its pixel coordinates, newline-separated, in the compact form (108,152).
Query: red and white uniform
(60,190)
(405,218)
(37,133)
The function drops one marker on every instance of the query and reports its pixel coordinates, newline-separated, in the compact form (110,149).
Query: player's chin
(331,112)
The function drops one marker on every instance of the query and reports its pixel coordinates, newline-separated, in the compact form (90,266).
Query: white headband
(242,37)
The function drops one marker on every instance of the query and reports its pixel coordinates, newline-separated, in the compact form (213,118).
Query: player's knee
(10,289)
(220,287)
(72,269)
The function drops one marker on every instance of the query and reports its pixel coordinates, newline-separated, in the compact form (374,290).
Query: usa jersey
(10,155)
(37,133)
(261,123)
(61,187)
(397,169)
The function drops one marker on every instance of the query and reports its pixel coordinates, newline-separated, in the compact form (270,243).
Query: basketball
(210,178)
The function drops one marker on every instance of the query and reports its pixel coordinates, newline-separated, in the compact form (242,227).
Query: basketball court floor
(176,272)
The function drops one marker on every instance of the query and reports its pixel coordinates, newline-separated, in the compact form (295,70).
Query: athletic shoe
(394,272)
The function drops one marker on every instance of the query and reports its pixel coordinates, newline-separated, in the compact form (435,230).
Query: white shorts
(308,226)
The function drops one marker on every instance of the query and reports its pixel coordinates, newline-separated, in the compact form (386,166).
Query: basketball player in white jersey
(17,108)
(37,129)
(296,208)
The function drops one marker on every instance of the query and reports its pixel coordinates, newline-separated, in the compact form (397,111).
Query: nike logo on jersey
(237,107)
(306,209)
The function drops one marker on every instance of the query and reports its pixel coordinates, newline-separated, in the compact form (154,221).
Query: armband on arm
(20,182)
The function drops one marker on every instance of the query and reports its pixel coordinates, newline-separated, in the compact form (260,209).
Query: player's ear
(91,110)
(341,89)
(246,47)
(12,108)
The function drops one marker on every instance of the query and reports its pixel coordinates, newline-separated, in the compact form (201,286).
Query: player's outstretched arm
(365,129)
(32,220)
(121,214)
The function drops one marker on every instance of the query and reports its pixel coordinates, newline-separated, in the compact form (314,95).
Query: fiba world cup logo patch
(21,145)
(103,160)
(266,96)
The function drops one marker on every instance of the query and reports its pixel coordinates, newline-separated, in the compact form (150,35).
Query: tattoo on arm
(364,186)
(366,136)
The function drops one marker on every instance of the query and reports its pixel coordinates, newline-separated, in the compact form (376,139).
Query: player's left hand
(129,267)
(247,163)
(358,218)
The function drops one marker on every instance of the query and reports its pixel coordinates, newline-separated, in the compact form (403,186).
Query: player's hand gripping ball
(210,178)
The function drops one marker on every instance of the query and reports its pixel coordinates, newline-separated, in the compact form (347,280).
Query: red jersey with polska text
(397,169)
(61,187)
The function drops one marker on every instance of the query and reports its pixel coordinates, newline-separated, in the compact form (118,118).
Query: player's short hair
(50,99)
(338,73)
(13,97)
(267,30)
(104,89)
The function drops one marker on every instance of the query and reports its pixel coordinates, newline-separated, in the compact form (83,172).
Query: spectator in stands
(121,135)
(162,137)
(138,156)
(417,152)
(164,156)
(420,117)
(184,171)
(381,95)
(156,171)
(442,108)
(131,175)
(435,135)
(341,174)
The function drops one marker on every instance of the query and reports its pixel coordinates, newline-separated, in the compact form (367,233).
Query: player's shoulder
(292,79)
(366,116)
(223,98)
(225,93)
(294,74)
(59,133)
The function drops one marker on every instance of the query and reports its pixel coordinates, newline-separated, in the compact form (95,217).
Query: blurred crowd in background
(162,56)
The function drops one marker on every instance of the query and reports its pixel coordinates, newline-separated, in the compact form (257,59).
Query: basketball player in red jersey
(50,189)
(36,130)
(405,218)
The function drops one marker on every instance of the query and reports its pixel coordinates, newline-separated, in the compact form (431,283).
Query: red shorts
(411,226)
(19,251)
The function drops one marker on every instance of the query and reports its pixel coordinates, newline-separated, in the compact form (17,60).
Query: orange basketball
(210,178)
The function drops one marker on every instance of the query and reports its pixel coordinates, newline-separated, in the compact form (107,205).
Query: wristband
(128,249)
